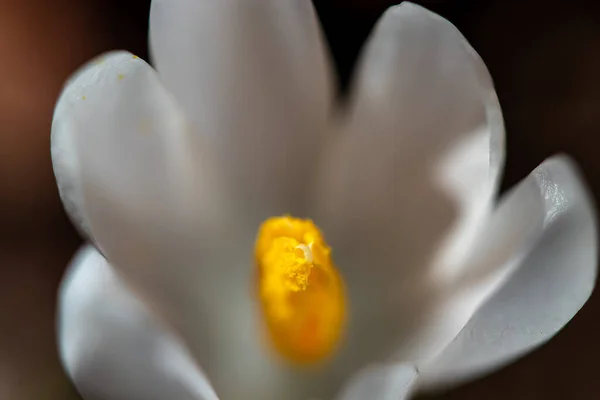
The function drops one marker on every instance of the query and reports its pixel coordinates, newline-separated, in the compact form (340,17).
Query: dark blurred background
(544,57)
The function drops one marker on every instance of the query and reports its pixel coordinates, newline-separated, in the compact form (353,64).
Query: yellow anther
(301,293)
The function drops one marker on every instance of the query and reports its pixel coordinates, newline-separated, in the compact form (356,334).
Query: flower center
(301,293)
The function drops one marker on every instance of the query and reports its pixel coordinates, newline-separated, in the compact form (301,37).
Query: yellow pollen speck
(301,293)
(83,97)
(121,76)
(135,57)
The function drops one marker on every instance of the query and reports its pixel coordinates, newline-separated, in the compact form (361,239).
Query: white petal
(140,179)
(386,382)
(112,346)
(128,148)
(146,188)
(551,285)
(409,182)
(254,76)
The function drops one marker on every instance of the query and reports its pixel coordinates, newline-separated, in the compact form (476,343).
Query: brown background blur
(544,57)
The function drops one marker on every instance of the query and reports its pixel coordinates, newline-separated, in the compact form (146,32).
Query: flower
(255,235)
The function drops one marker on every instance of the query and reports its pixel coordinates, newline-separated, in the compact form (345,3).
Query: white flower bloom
(171,173)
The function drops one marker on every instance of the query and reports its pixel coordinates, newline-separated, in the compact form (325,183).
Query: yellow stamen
(301,293)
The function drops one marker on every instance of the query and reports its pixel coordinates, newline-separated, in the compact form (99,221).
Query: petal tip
(71,113)
(88,71)
(408,8)
(567,170)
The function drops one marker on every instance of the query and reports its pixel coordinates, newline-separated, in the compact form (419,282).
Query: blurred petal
(410,181)
(550,285)
(253,76)
(146,189)
(141,179)
(128,154)
(112,346)
(388,382)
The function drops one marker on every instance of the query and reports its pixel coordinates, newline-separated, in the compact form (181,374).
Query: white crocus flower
(172,173)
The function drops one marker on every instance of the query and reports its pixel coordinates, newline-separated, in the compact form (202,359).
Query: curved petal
(145,185)
(111,345)
(387,382)
(127,151)
(550,285)
(254,76)
(410,179)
